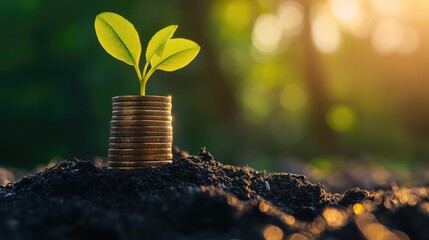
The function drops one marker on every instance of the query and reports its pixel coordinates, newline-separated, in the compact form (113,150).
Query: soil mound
(197,197)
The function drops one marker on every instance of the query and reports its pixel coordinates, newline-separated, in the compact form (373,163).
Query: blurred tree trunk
(316,88)
(220,90)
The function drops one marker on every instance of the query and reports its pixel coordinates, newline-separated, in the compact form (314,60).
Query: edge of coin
(154,98)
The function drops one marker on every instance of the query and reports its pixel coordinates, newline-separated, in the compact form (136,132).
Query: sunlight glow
(267,33)
(293,97)
(345,10)
(324,30)
(387,7)
(392,36)
(410,40)
(387,36)
(352,17)
(291,16)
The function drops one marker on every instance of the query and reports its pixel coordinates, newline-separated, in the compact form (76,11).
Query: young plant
(121,40)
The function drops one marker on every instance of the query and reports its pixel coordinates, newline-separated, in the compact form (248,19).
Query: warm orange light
(264,207)
(290,220)
(358,208)
(272,232)
(334,218)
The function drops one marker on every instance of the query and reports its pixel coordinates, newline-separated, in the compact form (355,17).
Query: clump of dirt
(196,197)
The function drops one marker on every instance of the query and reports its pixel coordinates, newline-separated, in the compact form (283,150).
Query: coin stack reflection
(141,132)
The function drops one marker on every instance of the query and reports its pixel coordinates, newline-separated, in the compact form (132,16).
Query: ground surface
(197,197)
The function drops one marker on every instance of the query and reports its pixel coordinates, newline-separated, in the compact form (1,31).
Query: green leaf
(157,42)
(178,53)
(118,37)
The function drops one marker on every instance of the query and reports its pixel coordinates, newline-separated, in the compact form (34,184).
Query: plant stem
(139,75)
(145,69)
(142,88)
(148,75)
(142,83)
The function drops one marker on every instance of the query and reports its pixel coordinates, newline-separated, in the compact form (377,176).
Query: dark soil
(197,197)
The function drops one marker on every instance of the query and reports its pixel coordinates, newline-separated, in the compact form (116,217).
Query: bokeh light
(387,7)
(293,97)
(352,17)
(324,30)
(341,118)
(257,103)
(334,218)
(267,33)
(272,232)
(387,36)
(291,16)
(238,14)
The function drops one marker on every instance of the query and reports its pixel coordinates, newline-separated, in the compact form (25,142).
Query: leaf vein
(117,35)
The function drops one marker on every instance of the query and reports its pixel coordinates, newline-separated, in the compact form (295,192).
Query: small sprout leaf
(118,37)
(177,53)
(157,43)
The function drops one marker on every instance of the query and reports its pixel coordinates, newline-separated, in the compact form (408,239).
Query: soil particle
(196,197)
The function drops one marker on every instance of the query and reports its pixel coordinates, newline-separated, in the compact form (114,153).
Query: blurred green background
(275,81)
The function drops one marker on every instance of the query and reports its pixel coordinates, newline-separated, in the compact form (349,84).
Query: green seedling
(121,40)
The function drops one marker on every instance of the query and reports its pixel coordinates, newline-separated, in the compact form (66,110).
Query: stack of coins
(141,133)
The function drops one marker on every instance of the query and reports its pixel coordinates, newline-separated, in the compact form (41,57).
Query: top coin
(141,103)
(134,98)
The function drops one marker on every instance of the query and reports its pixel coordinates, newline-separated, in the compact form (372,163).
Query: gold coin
(150,98)
(142,103)
(139,145)
(159,129)
(140,151)
(136,165)
(140,134)
(149,139)
(152,123)
(141,108)
(140,112)
(143,117)
(133,158)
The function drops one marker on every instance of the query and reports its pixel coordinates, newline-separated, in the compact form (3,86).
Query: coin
(160,129)
(143,117)
(140,151)
(133,158)
(113,145)
(134,165)
(140,123)
(149,139)
(136,128)
(140,134)
(141,103)
(139,128)
(141,112)
(141,108)
(150,98)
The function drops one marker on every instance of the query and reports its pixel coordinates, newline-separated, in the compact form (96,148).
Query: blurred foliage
(275,80)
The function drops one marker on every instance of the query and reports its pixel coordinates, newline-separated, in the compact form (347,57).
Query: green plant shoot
(121,40)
